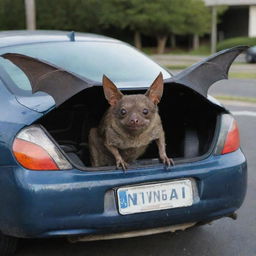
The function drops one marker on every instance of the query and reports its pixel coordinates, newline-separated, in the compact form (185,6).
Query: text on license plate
(154,197)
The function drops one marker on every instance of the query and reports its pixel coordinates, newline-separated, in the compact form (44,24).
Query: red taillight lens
(32,156)
(232,142)
(228,140)
(34,150)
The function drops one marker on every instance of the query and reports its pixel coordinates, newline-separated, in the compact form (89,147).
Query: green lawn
(235,98)
(239,75)
(176,67)
(203,50)
(242,75)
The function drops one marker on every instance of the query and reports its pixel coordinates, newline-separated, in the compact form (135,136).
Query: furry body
(130,124)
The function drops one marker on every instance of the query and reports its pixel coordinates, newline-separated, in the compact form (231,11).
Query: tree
(156,18)
(197,20)
(165,17)
(113,14)
(80,15)
(137,19)
(12,15)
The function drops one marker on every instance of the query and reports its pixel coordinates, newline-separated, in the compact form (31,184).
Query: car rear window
(121,63)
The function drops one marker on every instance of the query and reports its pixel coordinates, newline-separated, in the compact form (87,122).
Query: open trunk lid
(44,76)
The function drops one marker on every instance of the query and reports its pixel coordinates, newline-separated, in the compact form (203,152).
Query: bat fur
(129,125)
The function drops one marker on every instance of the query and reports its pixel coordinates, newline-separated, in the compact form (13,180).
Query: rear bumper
(66,203)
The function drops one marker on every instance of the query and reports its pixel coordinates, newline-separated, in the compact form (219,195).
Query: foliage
(197,18)
(12,14)
(202,50)
(79,15)
(250,41)
(161,17)
(149,17)
(158,18)
(113,13)
(221,9)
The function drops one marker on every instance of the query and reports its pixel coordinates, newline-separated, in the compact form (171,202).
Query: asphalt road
(224,237)
(173,60)
(235,87)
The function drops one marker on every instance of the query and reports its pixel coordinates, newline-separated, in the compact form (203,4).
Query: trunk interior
(190,123)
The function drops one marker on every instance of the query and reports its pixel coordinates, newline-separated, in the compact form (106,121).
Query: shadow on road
(179,243)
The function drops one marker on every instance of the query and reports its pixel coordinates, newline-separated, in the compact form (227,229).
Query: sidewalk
(245,88)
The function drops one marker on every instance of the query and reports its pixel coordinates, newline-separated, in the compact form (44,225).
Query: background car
(48,187)
(251,55)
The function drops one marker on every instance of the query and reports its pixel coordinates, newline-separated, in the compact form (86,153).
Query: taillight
(34,150)
(232,142)
(229,139)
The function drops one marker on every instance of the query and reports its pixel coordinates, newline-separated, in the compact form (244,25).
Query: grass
(176,67)
(235,98)
(149,50)
(203,50)
(242,63)
(242,75)
(238,75)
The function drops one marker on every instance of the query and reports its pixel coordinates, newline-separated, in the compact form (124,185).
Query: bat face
(135,112)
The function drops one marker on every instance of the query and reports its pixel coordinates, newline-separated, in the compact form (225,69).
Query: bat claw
(121,164)
(172,162)
(168,162)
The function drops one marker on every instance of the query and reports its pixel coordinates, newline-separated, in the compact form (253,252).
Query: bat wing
(43,76)
(62,85)
(202,75)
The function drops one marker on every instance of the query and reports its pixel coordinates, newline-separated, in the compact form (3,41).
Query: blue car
(48,187)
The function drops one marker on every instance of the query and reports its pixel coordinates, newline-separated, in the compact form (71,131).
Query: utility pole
(214,29)
(30,14)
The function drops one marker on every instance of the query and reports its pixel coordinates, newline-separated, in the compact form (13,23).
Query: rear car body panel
(13,118)
(56,203)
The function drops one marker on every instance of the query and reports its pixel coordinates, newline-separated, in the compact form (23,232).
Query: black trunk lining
(189,122)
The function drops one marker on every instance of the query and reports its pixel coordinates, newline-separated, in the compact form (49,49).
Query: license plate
(155,197)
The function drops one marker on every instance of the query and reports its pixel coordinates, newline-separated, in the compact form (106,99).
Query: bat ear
(112,94)
(155,91)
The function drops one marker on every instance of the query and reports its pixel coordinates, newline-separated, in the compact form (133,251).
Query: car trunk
(190,123)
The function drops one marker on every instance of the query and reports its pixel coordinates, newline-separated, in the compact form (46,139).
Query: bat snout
(134,121)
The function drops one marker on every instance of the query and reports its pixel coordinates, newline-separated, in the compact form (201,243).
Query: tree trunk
(137,40)
(30,14)
(195,42)
(173,41)
(214,30)
(161,42)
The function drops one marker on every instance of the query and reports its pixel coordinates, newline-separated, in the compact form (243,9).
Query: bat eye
(145,111)
(123,111)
